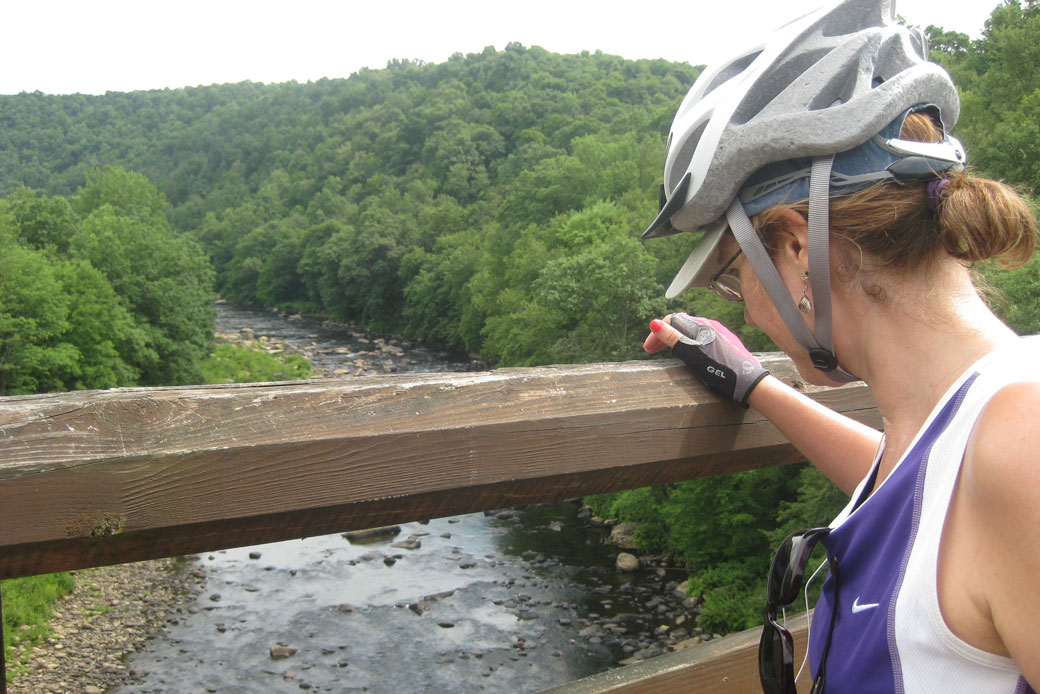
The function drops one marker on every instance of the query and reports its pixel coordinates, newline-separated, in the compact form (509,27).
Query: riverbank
(335,349)
(112,613)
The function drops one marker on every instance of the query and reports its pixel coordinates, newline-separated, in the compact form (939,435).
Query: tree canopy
(97,291)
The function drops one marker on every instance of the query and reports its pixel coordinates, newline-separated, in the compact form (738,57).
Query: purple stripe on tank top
(951,412)
(1023,687)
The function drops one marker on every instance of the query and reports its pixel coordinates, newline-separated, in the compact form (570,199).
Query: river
(513,601)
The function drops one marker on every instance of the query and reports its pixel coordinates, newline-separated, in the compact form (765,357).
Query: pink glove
(717,357)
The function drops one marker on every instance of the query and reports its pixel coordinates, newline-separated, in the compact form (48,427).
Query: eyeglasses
(776,649)
(727,286)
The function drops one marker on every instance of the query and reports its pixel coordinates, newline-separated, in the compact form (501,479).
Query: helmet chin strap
(819,346)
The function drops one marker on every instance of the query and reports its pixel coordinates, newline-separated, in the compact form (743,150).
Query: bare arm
(1000,498)
(840,447)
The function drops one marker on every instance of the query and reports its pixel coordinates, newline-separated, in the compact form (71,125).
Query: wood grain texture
(722,666)
(101,477)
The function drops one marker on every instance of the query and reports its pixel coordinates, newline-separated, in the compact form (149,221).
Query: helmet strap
(818,346)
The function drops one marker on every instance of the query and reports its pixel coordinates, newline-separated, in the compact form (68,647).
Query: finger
(662,333)
(651,345)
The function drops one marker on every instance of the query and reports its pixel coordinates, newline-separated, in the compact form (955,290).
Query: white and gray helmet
(813,111)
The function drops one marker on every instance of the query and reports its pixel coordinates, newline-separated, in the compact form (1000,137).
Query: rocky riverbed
(510,600)
(160,626)
(113,612)
(335,349)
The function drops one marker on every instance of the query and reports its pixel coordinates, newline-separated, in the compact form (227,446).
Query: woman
(834,205)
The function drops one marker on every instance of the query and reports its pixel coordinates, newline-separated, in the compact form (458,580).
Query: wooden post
(103,477)
(3,649)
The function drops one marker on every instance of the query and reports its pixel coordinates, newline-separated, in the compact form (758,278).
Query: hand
(715,355)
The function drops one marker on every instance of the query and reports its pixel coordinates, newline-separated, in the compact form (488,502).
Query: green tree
(163,278)
(34,310)
(43,223)
(100,329)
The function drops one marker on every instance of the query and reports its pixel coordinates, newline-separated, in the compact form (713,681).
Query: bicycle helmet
(813,111)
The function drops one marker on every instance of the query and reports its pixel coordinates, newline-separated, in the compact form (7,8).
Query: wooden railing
(103,477)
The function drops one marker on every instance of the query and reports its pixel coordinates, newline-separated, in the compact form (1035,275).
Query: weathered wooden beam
(721,666)
(102,477)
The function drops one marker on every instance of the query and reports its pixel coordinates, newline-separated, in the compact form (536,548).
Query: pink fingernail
(656,325)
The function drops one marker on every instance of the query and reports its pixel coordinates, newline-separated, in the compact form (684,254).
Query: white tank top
(889,634)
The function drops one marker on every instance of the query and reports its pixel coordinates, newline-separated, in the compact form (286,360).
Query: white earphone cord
(808,631)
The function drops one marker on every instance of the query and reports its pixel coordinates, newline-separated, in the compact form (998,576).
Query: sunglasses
(776,649)
(727,286)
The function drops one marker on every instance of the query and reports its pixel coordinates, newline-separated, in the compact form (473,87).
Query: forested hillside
(492,203)
(489,202)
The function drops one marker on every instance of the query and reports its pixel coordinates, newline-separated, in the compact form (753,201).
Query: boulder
(627,562)
(623,535)
(369,535)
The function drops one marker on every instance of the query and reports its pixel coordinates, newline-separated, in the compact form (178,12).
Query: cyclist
(831,199)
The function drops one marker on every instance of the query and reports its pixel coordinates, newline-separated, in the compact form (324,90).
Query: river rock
(623,535)
(627,562)
(411,543)
(280,651)
(369,535)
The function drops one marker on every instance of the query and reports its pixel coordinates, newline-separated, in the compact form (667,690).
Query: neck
(911,353)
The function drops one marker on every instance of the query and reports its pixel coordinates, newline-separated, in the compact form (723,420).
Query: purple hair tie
(935,189)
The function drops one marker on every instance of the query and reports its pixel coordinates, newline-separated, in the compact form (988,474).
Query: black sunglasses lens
(788,567)
(776,660)
(776,648)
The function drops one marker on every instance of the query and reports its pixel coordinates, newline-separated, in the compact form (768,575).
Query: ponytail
(980,218)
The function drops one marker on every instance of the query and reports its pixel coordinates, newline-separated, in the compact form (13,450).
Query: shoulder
(1002,456)
(1000,490)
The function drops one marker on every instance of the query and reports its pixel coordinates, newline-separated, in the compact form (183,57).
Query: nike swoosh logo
(857,608)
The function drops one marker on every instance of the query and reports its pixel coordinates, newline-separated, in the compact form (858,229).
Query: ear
(793,240)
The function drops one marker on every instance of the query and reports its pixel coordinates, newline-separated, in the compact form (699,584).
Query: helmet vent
(774,83)
(730,71)
(685,156)
(852,16)
(839,89)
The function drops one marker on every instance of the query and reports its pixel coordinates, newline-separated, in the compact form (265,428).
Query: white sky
(62,46)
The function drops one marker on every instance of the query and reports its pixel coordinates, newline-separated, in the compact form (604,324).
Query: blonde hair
(890,228)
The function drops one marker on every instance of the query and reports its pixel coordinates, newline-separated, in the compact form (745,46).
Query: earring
(804,305)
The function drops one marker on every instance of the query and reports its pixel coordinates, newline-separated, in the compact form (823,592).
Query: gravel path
(112,613)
